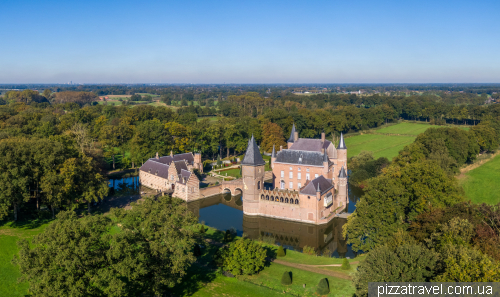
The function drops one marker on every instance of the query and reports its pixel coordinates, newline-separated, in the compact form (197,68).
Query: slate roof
(184,174)
(312,145)
(300,157)
(341,143)
(252,155)
(179,165)
(273,155)
(320,183)
(292,134)
(179,157)
(342,173)
(156,167)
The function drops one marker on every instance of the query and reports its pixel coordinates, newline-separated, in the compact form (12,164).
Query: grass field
(387,141)
(9,273)
(481,184)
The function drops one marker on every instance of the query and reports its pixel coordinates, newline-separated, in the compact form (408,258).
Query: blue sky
(249,41)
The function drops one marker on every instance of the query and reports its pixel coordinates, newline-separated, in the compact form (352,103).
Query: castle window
(291,168)
(291,201)
(315,176)
(296,201)
(262,197)
(299,185)
(282,173)
(282,185)
(149,170)
(290,175)
(267,197)
(258,185)
(290,185)
(299,176)
(307,169)
(307,176)
(286,200)
(281,199)
(298,169)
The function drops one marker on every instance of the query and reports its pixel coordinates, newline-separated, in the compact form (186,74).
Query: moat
(225,212)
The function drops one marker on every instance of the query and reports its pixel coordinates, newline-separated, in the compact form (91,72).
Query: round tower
(342,187)
(252,171)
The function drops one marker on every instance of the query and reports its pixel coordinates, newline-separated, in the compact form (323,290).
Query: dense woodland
(55,149)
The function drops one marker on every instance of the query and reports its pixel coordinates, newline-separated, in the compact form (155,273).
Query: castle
(173,173)
(309,181)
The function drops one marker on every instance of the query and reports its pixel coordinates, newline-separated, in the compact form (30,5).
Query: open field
(387,141)
(481,184)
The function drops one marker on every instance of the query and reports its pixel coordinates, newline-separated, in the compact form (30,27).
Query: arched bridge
(235,187)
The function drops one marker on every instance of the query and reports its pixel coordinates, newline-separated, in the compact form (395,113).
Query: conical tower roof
(342,173)
(292,134)
(252,155)
(341,143)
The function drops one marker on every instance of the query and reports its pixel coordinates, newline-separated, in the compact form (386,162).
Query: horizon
(320,42)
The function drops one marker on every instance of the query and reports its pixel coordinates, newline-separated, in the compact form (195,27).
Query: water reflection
(124,186)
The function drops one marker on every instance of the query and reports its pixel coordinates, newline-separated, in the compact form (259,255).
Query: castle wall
(278,167)
(153,181)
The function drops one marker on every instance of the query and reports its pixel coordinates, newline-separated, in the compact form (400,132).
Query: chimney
(171,153)
(323,136)
(281,148)
(296,136)
(157,157)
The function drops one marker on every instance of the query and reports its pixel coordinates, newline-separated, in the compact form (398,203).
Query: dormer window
(300,158)
(149,170)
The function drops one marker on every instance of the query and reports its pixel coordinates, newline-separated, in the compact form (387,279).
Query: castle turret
(342,152)
(197,162)
(342,187)
(252,169)
(294,135)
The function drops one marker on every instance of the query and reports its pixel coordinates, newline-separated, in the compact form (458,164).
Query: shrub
(286,279)
(323,287)
(243,256)
(228,236)
(327,253)
(281,251)
(308,250)
(202,229)
(345,264)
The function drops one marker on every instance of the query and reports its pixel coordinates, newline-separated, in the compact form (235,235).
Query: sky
(381,41)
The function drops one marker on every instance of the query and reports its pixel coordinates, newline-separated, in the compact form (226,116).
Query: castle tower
(273,157)
(342,187)
(197,162)
(342,152)
(294,135)
(252,170)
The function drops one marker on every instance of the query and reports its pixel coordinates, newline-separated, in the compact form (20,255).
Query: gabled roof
(185,156)
(341,143)
(319,184)
(184,176)
(179,165)
(312,145)
(252,155)
(154,167)
(292,134)
(300,157)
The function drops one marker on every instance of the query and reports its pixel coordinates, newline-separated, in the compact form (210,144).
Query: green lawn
(235,172)
(9,273)
(387,141)
(481,183)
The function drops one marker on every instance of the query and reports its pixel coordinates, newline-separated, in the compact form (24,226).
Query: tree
(323,287)
(281,251)
(405,263)
(286,278)
(136,97)
(243,257)
(345,264)
(272,135)
(486,137)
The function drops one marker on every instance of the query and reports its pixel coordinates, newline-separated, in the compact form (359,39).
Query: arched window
(296,201)
(258,185)
(262,197)
(291,201)
(267,197)
(281,199)
(286,200)
(272,198)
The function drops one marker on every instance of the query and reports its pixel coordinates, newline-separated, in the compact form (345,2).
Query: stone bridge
(235,187)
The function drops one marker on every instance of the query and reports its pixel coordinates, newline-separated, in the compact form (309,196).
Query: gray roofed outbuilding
(252,155)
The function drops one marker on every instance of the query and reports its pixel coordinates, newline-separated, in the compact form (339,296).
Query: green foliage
(202,229)
(281,252)
(405,263)
(228,236)
(148,255)
(243,256)
(345,264)
(486,137)
(272,134)
(196,250)
(308,250)
(323,287)
(396,197)
(286,278)
(364,166)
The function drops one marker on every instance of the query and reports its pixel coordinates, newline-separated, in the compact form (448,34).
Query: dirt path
(313,269)
(475,165)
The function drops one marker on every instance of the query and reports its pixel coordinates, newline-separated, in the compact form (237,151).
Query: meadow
(387,141)
(481,184)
